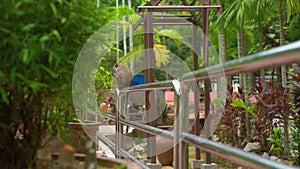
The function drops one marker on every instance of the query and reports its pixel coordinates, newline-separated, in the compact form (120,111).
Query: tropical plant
(161,52)
(232,124)
(276,140)
(234,16)
(40,41)
(295,91)
(273,109)
(294,144)
(293,7)
(239,103)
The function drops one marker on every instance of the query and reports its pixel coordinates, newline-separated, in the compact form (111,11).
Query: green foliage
(122,166)
(274,115)
(40,41)
(103,75)
(161,52)
(295,128)
(229,124)
(239,103)
(294,144)
(276,140)
(260,20)
(291,30)
(172,34)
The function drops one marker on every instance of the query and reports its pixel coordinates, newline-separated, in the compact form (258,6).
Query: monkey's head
(115,67)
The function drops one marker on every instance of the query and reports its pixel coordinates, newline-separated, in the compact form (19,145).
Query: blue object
(137,80)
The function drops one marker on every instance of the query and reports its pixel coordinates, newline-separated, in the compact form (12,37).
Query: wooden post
(149,77)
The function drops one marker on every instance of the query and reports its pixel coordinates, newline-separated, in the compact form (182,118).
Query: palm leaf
(161,53)
(293,8)
(172,34)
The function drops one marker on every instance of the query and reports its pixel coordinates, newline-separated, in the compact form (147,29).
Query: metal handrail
(149,86)
(262,60)
(226,152)
(271,58)
(232,154)
(275,57)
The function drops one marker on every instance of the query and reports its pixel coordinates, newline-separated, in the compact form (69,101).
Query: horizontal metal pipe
(144,89)
(171,21)
(232,154)
(149,86)
(290,54)
(177,8)
(274,57)
(171,15)
(143,127)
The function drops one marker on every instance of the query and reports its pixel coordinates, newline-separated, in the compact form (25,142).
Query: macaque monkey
(123,76)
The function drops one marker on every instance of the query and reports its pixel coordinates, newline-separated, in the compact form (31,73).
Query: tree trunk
(244,80)
(261,47)
(282,71)
(284,80)
(222,82)
(117,33)
(240,54)
(131,41)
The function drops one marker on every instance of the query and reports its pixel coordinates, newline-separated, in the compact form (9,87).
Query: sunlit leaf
(54,75)
(28,27)
(170,33)
(53,8)
(238,103)
(117,49)
(3,95)
(63,20)
(44,38)
(25,54)
(56,34)
(161,55)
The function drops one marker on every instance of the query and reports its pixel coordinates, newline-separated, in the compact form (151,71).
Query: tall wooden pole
(149,77)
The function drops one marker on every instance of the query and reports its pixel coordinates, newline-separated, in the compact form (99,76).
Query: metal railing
(287,54)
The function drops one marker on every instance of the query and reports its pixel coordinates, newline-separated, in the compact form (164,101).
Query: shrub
(40,41)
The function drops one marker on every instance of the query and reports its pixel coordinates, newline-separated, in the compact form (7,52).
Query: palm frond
(161,53)
(172,34)
(293,8)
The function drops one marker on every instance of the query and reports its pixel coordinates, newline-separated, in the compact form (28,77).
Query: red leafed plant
(274,107)
(230,125)
(273,110)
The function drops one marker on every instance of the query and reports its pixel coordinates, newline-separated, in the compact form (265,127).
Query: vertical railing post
(206,81)
(196,52)
(118,111)
(183,119)
(149,77)
(176,152)
(125,114)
